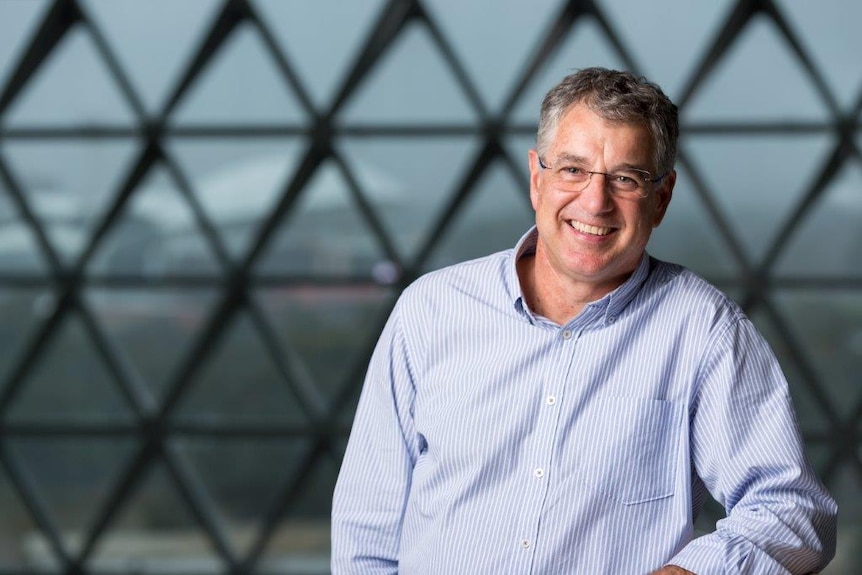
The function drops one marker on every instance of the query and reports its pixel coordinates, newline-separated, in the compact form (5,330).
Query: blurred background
(208,208)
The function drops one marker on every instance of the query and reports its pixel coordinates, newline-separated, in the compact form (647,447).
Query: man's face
(593,236)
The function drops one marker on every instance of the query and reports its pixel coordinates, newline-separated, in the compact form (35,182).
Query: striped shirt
(489,440)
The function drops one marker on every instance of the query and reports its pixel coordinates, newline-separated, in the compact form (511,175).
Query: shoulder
(690,296)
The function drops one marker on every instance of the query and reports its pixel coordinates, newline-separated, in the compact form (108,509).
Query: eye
(625,180)
(573,173)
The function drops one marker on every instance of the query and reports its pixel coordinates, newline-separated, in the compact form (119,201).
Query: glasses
(627,183)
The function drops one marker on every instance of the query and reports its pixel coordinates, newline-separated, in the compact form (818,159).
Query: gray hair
(617,97)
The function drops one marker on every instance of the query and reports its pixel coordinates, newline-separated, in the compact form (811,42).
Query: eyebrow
(574,159)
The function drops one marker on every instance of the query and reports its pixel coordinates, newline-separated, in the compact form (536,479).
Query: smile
(588,229)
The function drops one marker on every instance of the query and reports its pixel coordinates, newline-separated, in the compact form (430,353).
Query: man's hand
(671,570)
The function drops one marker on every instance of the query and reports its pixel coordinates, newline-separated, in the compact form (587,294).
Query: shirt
(488,440)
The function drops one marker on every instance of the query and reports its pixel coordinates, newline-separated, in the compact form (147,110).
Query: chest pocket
(627,448)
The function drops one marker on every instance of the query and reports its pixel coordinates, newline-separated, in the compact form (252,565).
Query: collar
(607,309)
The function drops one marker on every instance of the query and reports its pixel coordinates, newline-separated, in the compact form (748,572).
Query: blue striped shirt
(489,440)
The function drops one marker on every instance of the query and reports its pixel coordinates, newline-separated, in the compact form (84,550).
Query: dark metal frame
(152,425)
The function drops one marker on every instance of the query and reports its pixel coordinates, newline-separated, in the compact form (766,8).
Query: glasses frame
(640,191)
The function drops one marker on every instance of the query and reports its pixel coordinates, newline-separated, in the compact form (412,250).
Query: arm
(747,450)
(374,481)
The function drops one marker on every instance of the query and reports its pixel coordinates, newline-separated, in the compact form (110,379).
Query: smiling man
(566,406)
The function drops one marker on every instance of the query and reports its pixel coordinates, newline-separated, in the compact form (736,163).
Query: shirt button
(551,400)
(567,334)
(612,319)
(525,543)
(539,472)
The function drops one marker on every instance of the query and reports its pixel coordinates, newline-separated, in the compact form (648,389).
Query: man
(566,406)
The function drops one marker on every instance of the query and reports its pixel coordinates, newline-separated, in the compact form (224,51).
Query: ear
(535,173)
(663,197)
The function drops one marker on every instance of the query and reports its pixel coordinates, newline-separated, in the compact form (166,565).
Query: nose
(596,195)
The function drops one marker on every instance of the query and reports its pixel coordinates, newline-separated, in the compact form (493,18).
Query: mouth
(588,229)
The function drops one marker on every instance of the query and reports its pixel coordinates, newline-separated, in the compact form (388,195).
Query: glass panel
(73,86)
(19,252)
(829,325)
(245,478)
(238,182)
(155,533)
(757,79)
(73,477)
(493,50)
(18,21)
(21,542)
(330,329)
(758,180)
(69,184)
(238,383)
(829,30)
(301,543)
(240,85)
(324,234)
(22,311)
(809,412)
(810,251)
(320,38)
(493,217)
(155,235)
(586,45)
(70,383)
(154,328)
(153,40)
(688,234)
(411,83)
(672,61)
(846,488)
(409,181)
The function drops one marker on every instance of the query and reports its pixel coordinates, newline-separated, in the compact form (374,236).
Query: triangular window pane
(411,83)
(494,50)
(155,235)
(73,477)
(73,86)
(239,383)
(586,45)
(70,184)
(760,79)
(324,233)
(409,181)
(26,15)
(671,61)
(811,251)
(301,542)
(243,478)
(758,180)
(70,383)
(22,311)
(830,34)
(240,85)
(153,327)
(238,183)
(153,39)
(809,412)
(19,252)
(329,330)
(320,39)
(155,532)
(493,217)
(22,544)
(689,236)
(826,323)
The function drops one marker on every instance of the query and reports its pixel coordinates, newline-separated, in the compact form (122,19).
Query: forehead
(582,132)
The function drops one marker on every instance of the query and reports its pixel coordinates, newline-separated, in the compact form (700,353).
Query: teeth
(587,229)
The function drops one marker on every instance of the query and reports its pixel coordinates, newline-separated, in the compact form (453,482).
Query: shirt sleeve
(747,450)
(374,481)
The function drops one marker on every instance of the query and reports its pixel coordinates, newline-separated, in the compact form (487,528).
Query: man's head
(601,179)
(618,97)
